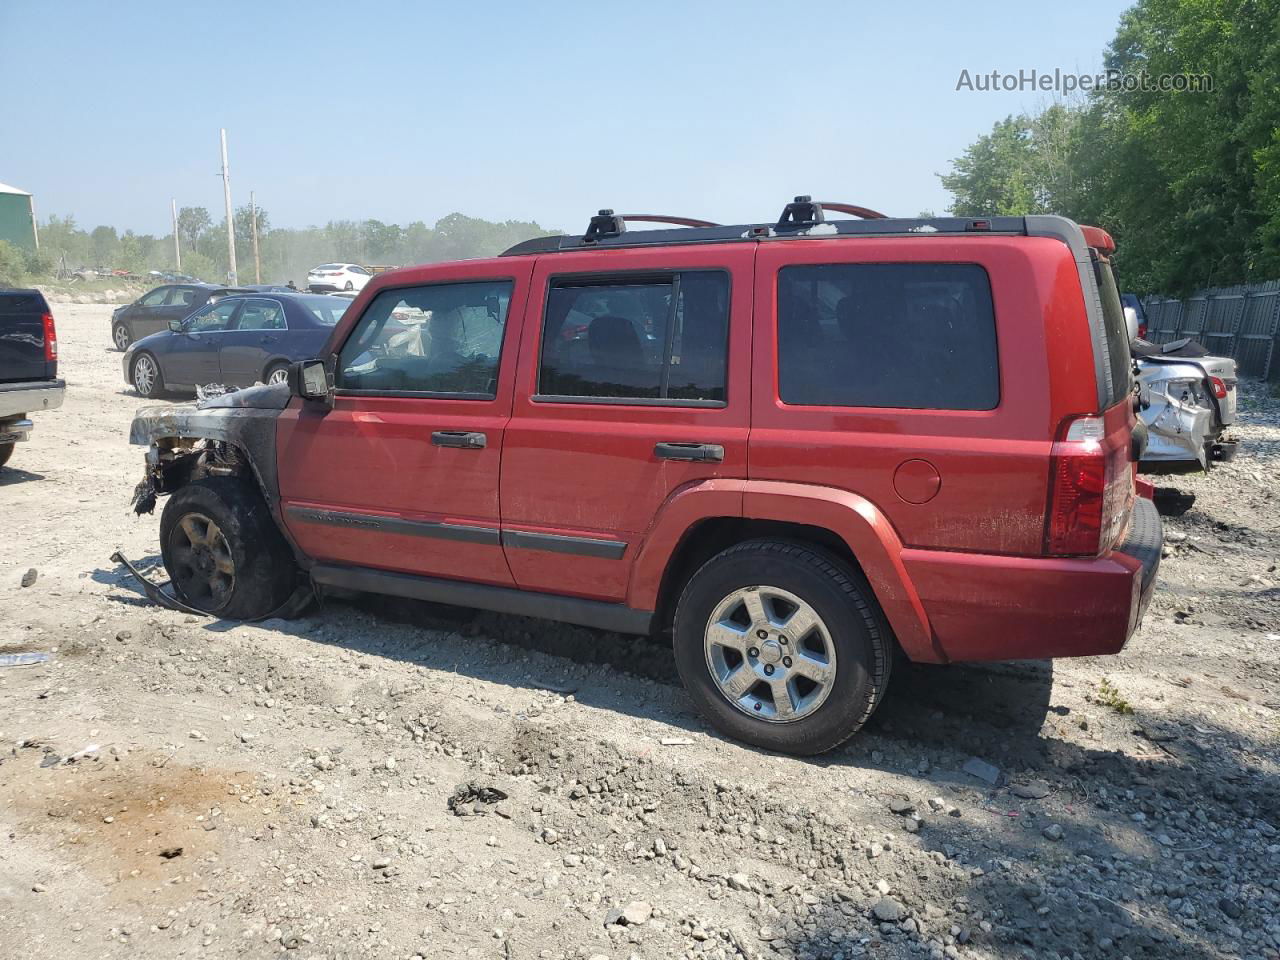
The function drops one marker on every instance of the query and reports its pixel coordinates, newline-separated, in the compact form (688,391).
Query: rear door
(402,473)
(634,381)
(243,351)
(191,357)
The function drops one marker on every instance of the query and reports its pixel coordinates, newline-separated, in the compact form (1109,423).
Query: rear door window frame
(635,276)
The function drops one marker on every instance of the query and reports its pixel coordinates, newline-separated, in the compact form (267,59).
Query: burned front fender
(244,421)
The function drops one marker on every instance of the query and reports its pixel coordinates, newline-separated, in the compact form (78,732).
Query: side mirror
(308,380)
(175,326)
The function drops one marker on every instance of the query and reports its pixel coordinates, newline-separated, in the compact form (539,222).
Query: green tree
(1188,181)
(192,224)
(106,246)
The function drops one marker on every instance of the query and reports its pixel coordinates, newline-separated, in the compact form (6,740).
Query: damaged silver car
(1188,402)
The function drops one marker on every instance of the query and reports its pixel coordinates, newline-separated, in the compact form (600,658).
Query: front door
(256,337)
(192,356)
(146,316)
(633,382)
(402,473)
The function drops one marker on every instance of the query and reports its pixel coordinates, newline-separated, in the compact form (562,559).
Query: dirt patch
(117,820)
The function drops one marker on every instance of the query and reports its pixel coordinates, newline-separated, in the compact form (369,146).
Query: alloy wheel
(280,375)
(144,375)
(121,337)
(770,654)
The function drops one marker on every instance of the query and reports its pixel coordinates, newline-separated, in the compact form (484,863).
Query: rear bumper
(30,396)
(986,607)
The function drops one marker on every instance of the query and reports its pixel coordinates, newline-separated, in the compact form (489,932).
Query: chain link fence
(1241,322)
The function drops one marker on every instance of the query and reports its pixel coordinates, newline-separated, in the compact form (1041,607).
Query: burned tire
(782,646)
(6,451)
(223,551)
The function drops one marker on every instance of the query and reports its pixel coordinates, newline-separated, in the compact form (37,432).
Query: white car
(337,276)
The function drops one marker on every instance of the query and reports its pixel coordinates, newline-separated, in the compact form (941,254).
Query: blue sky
(407,111)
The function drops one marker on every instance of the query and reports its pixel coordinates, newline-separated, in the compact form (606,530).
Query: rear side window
(440,339)
(913,335)
(1117,331)
(261,315)
(658,338)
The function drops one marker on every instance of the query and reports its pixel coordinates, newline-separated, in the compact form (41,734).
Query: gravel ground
(390,780)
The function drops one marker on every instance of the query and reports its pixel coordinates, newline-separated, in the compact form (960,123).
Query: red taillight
(51,339)
(1142,331)
(1219,388)
(1090,490)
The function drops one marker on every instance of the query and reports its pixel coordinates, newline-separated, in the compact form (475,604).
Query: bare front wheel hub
(770,653)
(202,566)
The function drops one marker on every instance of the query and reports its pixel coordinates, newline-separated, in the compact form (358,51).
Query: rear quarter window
(908,335)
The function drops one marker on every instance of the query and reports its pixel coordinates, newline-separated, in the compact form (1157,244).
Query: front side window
(442,339)
(659,337)
(912,335)
(213,318)
(261,315)
(155,298)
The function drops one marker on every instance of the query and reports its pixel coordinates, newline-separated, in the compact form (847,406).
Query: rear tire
(147,379)
(349,286)
(121,337)
(223,551)
(782,646)
(276,373)
(6,451)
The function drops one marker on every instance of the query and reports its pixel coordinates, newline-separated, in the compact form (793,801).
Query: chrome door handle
(458,438)
(697,452)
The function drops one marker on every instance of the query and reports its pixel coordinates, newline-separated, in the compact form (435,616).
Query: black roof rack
(801,217)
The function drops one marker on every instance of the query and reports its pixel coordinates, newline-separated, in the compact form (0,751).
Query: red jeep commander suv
(803,448)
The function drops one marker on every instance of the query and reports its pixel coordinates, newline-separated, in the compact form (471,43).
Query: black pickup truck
(28,365)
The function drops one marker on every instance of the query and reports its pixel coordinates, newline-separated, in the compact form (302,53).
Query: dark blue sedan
(238,341)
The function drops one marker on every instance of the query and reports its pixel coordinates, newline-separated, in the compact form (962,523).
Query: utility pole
(232,274)
(177,247)
(253,217)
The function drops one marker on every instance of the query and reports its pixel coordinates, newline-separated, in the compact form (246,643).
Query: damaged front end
(232,434)
(1180,416)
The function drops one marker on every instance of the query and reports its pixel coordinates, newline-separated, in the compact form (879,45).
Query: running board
(547,606)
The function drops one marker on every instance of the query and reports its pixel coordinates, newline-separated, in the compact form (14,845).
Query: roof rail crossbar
(663,218)
(866,213)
